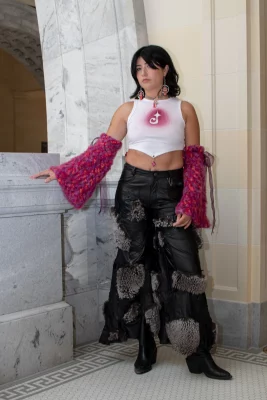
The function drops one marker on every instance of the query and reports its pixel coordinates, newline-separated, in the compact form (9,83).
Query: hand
(48,174)
(182,220)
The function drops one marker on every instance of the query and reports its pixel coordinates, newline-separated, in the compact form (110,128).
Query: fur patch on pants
(130,280)
(154,281)
(153,319)
(132,313)
(184,335)
(137,212)
(122,242)
(113,336)
(163,222)
(193,284)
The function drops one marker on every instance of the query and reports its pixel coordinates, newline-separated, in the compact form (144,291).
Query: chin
(149,86)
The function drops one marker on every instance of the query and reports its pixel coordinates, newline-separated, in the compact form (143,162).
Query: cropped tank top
(156,131)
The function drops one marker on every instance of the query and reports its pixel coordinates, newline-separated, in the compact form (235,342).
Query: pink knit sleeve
(79,177)
(194,199)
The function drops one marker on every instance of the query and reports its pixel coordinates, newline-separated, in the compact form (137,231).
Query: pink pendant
(153,164)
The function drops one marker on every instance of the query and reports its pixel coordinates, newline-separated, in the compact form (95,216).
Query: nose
(144,71)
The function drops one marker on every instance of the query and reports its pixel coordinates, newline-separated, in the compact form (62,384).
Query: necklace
(155,99)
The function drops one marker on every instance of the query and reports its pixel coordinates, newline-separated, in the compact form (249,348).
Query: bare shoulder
(188,109)
(118,124)
(125,110)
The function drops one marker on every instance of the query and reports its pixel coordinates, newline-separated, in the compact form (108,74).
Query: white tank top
(156,131)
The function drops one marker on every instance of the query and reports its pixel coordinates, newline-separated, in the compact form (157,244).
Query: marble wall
(87,48)
(36,326)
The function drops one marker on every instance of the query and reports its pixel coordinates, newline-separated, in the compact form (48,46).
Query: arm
(117,130)
(192,206)
(118,125)
(192,131)
(79,177)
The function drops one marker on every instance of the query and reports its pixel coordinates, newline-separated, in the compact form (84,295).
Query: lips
(145,80)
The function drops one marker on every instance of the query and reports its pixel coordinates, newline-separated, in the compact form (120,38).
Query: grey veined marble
(32,341)
(86,50)
(35,324)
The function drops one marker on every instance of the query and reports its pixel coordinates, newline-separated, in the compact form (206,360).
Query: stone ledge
(21,195)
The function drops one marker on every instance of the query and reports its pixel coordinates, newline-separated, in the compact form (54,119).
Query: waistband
(174,173)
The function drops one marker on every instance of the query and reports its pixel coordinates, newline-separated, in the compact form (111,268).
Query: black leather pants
(157,271)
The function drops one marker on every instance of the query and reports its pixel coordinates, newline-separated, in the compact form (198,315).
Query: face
(149,78)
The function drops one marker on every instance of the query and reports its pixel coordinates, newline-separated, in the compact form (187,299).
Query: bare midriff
(164,162)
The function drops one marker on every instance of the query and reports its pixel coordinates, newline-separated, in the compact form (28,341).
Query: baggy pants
(157,271)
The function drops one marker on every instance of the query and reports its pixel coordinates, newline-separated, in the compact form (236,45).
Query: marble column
(87,48)
(35,322)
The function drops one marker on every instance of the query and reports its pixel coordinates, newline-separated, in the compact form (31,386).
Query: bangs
(151,58)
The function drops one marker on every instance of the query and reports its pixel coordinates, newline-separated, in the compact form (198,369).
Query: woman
(157,287)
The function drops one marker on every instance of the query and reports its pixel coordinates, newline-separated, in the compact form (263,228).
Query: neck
(152,94)
(156,96)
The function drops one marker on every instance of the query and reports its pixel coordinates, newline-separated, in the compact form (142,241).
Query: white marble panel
(81,268)
(74,81)
(48,27)
(124,13)
(86,319)
(127,40)
(105,89)
(30,268)
(106,249)
(31,198)
(35,340)
(55,105)
(97,19)
(15,166)
(140,23)
(69,24)
(103,72)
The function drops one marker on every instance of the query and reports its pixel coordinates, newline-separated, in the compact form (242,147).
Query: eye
(138,69)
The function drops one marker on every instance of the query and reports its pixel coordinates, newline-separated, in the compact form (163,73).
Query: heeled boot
(147,354)
(202,362)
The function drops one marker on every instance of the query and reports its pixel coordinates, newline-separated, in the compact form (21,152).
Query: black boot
(202,362)
(147,354)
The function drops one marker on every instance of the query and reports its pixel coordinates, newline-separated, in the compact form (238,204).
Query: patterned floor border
(94,357)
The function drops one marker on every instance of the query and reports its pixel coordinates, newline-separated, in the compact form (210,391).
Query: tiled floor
(106,373)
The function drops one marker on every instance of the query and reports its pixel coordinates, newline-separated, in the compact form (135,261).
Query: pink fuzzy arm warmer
(194,200)
(79,177)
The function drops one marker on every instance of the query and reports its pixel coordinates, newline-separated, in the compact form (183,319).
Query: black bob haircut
(156,56)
